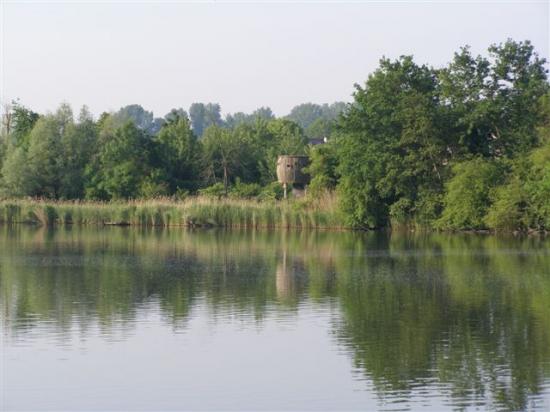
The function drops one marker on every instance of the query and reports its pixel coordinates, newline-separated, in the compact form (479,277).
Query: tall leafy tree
(78,145)
(45,156)
(178,153)
(392,146)
(491,103)
(22,121)
(122,165)
(225,155)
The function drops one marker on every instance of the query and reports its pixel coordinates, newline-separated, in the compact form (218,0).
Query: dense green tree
(322,168)
(44,156)
(34,163)
(224,155)
(78,145)
(178,154)
(409,123)
(392,145)
(492,102)
(122,165)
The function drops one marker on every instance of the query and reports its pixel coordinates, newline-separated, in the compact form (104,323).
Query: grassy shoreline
(191,212)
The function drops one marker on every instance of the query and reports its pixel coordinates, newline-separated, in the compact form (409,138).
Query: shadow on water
(468,313)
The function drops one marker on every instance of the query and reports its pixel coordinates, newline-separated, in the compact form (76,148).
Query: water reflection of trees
(471,312)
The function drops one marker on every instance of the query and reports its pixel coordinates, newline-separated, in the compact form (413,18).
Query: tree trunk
(225,178)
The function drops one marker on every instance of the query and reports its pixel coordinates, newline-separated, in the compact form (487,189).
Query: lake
(142,319)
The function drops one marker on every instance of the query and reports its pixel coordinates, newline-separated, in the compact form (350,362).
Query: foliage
(391,142)
(468,193)
(178,154)
(316,119)
(23,120)
(141,118)
(463,146)
(409,123)
(242,190)
(271,192)
(322,166)
(123,163)
(217,190)
(203,116)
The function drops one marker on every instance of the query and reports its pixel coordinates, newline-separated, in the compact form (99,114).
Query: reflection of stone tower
(284,281)
(290,170)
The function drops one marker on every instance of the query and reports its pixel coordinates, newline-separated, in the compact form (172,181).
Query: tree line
(132,154)
(465,146)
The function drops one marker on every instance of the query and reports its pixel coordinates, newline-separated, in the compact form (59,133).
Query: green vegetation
(462,147)
(210,210)
(438,147)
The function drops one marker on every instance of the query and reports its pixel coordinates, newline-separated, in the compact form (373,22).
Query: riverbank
(191,212)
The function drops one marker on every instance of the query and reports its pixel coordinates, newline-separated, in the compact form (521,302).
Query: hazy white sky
(242,54)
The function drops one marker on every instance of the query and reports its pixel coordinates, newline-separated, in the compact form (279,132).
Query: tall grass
(320,213)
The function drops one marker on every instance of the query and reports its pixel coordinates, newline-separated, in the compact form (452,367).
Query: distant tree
(141,118)
(263,113)
(175,115)
(334,110)
(317,120)
(305,114)
(202,116)
(236,119)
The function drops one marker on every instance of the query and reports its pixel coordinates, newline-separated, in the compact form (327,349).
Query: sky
(242,55)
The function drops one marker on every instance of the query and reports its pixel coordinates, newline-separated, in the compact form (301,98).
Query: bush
(400,212)
(245,190)
(523,201)
(508,209)
(273,191)
(216,190)
(468,194)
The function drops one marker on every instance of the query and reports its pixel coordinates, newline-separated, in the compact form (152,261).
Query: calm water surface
(128,319)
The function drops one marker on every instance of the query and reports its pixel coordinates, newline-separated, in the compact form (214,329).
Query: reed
(198,211)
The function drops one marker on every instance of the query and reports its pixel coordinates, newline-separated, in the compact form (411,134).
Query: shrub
(245,190)
(216,190)
(467,195)
(271,192)
(508,207)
